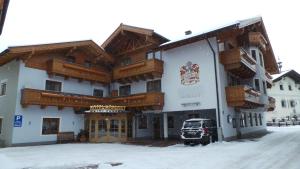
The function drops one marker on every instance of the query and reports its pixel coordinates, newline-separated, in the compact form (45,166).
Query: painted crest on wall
(189,73)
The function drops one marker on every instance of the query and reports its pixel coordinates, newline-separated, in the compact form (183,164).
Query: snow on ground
(278,150)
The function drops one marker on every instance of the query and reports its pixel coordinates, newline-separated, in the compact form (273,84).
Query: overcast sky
(47,21)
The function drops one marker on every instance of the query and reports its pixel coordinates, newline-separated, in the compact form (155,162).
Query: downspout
(216,78)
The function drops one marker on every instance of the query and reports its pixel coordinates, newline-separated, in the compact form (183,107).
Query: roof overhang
(292,74)
(88,45)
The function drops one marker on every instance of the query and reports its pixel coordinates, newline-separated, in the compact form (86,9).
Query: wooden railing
(139,71)
(257,39)
(268,80)
(62,68)
(272,104)
(239,62)
(45,98)
(242,97)
(151,100)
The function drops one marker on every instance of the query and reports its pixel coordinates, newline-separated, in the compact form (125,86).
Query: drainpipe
(217,87)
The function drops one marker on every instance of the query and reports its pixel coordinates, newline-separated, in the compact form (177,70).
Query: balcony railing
(238,62)
(257,39)
(150,100)
(271,105)
(139,71)
(45,98)
(242,97)
(268,80)
(62,68)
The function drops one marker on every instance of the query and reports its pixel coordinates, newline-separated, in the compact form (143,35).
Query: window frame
(99,90)
(153,83)
(42,125)
(123,86)
(283,103)
(61,85)
(1,124)
(1,89)
(290,88)
(281,87)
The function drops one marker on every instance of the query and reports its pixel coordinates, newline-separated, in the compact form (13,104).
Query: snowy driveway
(278,150)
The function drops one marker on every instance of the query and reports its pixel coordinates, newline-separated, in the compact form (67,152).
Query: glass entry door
(107,128)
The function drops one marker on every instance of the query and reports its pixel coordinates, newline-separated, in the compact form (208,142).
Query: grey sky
(47,21)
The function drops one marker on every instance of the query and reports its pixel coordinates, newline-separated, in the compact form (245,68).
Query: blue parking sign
(18,121)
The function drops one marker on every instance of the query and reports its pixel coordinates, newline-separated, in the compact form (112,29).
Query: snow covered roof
(288,73)
(238,24)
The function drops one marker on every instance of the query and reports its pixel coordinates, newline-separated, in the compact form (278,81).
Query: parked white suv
(195,131)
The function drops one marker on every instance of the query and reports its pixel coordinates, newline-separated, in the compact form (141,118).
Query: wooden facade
(238,62)
(143,70)
(257,39)
(242,97)
(272,104)
(65,69)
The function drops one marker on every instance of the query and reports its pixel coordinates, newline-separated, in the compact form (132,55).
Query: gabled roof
(18,51)
(238,26)
(289,73)
(3,10)
(126,37)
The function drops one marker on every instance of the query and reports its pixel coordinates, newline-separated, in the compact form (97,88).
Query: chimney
(188,32)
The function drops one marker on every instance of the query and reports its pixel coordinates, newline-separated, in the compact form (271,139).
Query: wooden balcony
(269,80)
(45,98)
(143,101)
(257,39)
(147,69)
(62,68)
(271,105)
(238,62)
(242,97)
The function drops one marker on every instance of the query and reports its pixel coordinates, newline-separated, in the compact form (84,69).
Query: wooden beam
(71,51)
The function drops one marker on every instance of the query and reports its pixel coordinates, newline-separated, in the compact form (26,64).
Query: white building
(286,91)
(222,74)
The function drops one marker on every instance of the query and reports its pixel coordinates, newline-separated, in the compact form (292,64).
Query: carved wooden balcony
(271,105)
(257,39)
(142,101)
(269,80)
(238,62)
(242,97)
(147,69)
(62,68)
(45,98)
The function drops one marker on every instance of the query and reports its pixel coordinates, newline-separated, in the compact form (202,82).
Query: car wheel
(186,143)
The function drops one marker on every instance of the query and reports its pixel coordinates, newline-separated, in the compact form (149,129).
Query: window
(143,122)
(98,93)
(102,127)
(260,119)
(71,59)
(50,126)
(290,88)
(256,84)
(125,90)
(87,63)
(157,55)
(264,87)
(149,55)
(170,122)
(281,87)
(253,53)
(123,127)
(53,86)
(93,128)
(114,128)
(126,61)
(283,103)
(292,103)
(3,88)
(154,86)
(1,125)
(234,122)
(255,118)
(242,121)
(245,120)
(261,60)
(250,119)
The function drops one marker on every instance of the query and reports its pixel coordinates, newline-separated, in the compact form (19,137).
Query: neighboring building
(286,91)
(221,75)
(3,10)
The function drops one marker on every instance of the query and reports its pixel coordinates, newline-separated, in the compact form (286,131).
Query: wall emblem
(189,73)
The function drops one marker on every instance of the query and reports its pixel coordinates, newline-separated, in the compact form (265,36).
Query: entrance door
(129,128)
(156,127)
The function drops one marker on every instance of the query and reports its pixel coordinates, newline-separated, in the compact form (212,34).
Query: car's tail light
(205,130)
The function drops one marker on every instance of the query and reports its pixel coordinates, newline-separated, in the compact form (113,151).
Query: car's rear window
(192,124)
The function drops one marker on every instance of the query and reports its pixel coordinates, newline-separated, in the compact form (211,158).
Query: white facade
(287,95)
